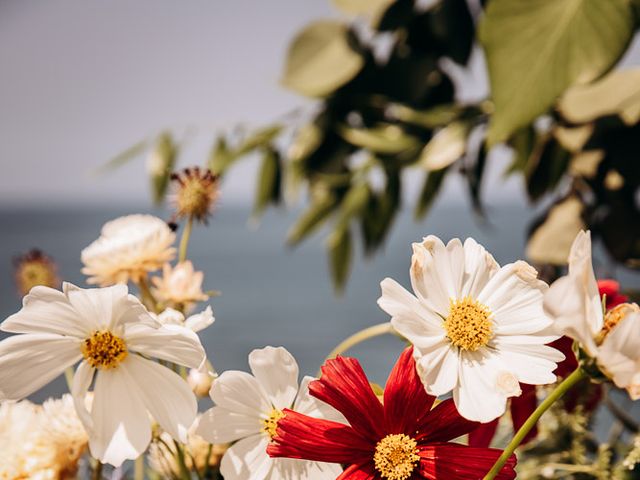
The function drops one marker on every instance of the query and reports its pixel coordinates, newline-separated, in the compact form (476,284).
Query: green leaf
(475,174)
(260,138)
(551,238)
(317,213)
(353,203)
(536,49)
(522,143)
(446,146)
(126,156)
(306,141)
(546,166)
(432,184)
(269,181)
(361,7)
(437,116)
(618,93)
(340,248)
(379,213)
(388,139)
(320,59)
(163,159)
(220,157)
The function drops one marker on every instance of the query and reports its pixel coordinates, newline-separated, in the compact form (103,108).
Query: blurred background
(84,81)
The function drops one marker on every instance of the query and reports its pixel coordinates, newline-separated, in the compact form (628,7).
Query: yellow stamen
(396,457)
(468,324)
(614,317)
(270,424)
(104,350)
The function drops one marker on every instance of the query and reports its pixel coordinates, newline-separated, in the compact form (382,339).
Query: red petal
(481,437)
(405,399)
(611,289)
(452,461)
(359,472)
(522,407)
(300,436)
(344,386)
(569,364)
(443,423)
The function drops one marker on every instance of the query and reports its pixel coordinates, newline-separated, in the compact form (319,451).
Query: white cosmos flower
(575,303)
(113,337)
(247,410)
(478,329)
(196,322)
(128,248)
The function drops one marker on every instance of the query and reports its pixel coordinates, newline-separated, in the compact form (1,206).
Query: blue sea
(272,294)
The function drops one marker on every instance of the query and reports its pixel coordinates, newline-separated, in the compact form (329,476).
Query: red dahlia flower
(404,439)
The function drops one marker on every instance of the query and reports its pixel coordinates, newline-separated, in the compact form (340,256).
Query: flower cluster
(482,338)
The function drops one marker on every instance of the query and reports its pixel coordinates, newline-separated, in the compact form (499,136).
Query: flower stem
(138,468)
(184,471)
(97,471)
(555,395)
(68,376)
(184,240)
(359,337)
(147,297)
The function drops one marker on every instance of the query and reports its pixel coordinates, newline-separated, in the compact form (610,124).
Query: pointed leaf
(268,182)
(387,139)
(163,159)
(317,213)
(446,146)
(340,248)
(430,190)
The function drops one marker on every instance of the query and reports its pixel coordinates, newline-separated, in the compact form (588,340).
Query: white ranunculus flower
(113,337)
(247,410)
(478,329)
(179,285)
(128,248)
(612,339)
(196,322)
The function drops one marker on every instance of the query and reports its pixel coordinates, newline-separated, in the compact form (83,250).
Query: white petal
(438,370)
(293,469)
(313,407)
(477,396)
(240,392)
(45,310)
(409,316)
(121,428)
(220,425)
(514,296)
(200,321)
(30,361)
(479,267)
(247,459)
(169,342)
(620,351)
(277,372)
(431,274)
(166,395)
(532,364)
(81,383)
(95,303)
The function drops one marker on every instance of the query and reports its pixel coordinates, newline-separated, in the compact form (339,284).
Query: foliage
(386,106)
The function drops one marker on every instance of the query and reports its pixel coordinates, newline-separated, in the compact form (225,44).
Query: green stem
(184,240)
(138,468)
(359,337)
(97,471)
(184,471)
(147,297)
(555,395)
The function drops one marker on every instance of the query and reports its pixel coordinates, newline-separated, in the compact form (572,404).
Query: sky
(81,81)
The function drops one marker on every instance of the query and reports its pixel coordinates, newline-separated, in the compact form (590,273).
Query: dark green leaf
(269,181)
(475,174)
(340,248)
(379,213)
(220,157)
(260,138)
(546,166)
(432,184)
(353,203)
(164,156)
(317,213)
(522,142)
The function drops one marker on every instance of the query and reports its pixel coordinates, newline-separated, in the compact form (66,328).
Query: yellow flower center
(104,350)
(614,317)
(468,324)
(396,457)
(270,424)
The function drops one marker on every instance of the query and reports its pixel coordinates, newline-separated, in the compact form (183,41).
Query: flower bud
(200,381)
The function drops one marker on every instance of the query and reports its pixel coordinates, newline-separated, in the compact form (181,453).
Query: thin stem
(184,471)
(359,337)
(147,297)
(555,395)
(97,471)
(184,240)
(138,468)
(68,376)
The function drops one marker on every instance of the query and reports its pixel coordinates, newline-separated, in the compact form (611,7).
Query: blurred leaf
(585,164)
(618,93)
(310,220)
(437,116)
(361,7)
(620,228)
(538,48)
(399,13)
(320,59)
(307,140)
(125,156)
(163,158)
(340,246)
(475,175)
(353,203)
(522,142)
(387,139)
(446,146)
(573,139)
(379,213)
(430,189)
(220,157)
(269,181)
(259,138)
(546,166)
(552,236)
